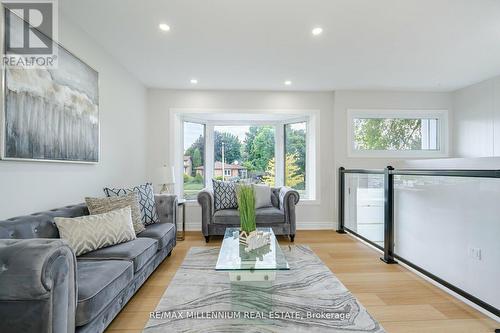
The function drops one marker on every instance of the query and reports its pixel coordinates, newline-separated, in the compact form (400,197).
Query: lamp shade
(166,175)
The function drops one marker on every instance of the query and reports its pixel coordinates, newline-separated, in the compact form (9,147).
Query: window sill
(397,154)
(302,202)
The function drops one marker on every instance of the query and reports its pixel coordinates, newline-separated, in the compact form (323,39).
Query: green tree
(388,134)
(232,147)
(249,139)
(199,145)
(295,144)
(294,176)
(259,148)
(196,158)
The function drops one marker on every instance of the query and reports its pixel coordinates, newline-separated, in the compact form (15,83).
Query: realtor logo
(29,33)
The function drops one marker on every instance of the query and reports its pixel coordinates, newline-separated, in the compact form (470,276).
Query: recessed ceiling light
(194,81)
(317,31)
(164,27)
(288,83)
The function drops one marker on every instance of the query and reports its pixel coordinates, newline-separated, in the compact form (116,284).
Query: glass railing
(364,206)
(443,223)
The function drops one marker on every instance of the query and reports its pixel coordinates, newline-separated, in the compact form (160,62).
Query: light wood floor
(400,300)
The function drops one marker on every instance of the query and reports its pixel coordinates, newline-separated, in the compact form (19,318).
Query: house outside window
(270,151)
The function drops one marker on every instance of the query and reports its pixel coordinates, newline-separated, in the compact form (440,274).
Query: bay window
(259,149)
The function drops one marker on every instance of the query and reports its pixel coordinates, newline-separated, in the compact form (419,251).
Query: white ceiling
(434,45)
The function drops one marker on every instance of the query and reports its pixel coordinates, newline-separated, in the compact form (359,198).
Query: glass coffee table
(252,275)
(233,257)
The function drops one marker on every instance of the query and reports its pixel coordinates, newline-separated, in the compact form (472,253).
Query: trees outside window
(247,152)
(295,156)
(395,134)
(193,159)
(244,153)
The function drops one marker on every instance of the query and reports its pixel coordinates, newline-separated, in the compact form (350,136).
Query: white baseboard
(309,225)
(315,225)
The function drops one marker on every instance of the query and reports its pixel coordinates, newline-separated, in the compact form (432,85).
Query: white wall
(26,187)
(314,216)
(477,119)
(333,142)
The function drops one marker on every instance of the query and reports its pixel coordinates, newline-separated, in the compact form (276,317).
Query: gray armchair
(280,216)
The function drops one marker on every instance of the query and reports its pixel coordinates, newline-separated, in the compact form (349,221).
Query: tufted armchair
(280,216)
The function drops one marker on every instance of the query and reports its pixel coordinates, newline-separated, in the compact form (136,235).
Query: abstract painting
(51,114)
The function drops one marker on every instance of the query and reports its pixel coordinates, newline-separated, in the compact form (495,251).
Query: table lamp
(166,179)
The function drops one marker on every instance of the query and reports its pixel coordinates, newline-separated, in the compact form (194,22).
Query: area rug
(306,298)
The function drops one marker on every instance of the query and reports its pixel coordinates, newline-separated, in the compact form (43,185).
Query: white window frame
(311,117)
(439,114)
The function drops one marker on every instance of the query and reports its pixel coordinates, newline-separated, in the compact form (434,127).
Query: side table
(181,234)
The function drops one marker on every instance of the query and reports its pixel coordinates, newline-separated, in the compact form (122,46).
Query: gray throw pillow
(108,204)
(224,195)
(92,232)
(146,200)
(262,193)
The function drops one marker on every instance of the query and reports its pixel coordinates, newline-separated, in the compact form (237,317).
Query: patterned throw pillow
(92,232)
(105,205)
(224,195)
(146,200)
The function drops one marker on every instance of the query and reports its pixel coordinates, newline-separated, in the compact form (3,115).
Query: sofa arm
(206,201)
(288,198)
(166,207)
(39,291)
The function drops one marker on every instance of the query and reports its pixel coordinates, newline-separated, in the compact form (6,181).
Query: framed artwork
(51,114)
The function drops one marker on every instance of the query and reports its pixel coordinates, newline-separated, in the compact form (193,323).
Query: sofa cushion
(92,232)
(224,195)
(139,251)
(99,282)
(263,216)
(162,232)
(262,193)
(146,200)
(269,215)
(108,204)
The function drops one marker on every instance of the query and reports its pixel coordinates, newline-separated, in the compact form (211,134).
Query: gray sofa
(45,288)
(280,216)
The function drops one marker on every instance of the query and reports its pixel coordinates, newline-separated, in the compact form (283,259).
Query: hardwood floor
(400,300)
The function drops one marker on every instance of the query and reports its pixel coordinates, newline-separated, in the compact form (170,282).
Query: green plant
(198,178)
(246,207)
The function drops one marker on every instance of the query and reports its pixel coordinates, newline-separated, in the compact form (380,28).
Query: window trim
(443,132)
(178,115)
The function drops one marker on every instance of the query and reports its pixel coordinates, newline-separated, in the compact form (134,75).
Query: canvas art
(52,114)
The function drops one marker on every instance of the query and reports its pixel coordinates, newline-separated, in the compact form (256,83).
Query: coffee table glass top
(232,255)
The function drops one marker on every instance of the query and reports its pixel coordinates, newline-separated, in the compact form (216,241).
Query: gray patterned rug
(306,298)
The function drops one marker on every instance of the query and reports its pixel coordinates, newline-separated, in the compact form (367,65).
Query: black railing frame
(388,249)
(388,257)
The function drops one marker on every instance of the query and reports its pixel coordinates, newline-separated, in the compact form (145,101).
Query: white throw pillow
(262,195)
(92,232)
